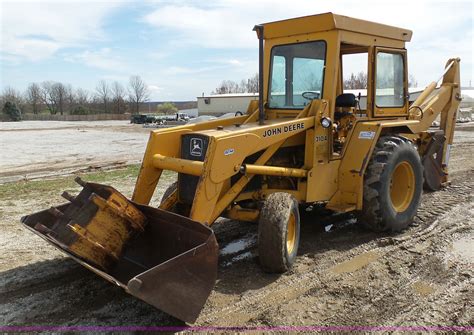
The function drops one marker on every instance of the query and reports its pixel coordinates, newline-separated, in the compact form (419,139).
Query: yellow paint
(242,214)
(334,178)
(101,240)
(291,234)
(402,186)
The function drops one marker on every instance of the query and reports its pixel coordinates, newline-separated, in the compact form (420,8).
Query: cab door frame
(389,111)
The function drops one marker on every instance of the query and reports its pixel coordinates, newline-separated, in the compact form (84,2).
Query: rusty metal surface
(432,163)
(187,254)
(171,265)
(96,225)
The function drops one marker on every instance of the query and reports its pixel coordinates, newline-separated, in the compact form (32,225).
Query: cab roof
(330,21)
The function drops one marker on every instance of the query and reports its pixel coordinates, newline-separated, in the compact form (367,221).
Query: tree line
(354,81)
(249,85)
(359,81)
(60,98)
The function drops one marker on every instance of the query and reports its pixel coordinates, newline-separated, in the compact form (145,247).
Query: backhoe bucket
(165,259)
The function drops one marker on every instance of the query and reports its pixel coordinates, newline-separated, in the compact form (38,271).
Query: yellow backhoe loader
(306,141)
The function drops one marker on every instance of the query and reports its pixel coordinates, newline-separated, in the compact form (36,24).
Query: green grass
(22,189)
(44,189)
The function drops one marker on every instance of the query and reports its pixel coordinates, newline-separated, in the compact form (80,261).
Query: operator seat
(344,100)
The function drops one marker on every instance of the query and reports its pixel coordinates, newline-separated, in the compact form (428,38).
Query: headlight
(326,122)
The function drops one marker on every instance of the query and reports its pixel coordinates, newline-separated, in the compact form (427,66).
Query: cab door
(390,83)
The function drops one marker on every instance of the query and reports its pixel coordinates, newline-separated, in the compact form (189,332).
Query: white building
(220,104)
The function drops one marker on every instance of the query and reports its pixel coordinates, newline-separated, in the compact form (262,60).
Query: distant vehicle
(182,117)
(139,118)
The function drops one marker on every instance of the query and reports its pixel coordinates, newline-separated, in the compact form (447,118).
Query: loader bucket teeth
(162,258)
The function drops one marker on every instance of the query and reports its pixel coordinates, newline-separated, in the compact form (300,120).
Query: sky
(185,48)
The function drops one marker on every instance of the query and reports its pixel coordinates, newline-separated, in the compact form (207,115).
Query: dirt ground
(344,275)
(27,147)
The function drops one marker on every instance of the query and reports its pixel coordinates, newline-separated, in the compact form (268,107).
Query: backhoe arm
(433,102)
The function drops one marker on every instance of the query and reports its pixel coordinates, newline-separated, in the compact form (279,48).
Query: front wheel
(177,208)
(392,185)
(278,232)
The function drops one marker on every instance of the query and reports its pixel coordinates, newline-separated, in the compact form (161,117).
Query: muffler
(164,259)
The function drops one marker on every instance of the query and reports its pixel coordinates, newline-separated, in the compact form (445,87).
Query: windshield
(296,69)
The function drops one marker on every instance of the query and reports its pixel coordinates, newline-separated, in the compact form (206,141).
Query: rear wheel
(278,232)
(392,185)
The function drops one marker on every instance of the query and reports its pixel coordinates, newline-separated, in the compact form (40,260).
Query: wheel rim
(402,186)
(291,234)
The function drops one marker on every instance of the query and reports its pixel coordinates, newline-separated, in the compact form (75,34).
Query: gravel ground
(33,149)
(344,275)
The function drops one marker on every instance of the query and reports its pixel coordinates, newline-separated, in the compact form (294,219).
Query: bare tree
(48,96)
(81,104)
(412,82)
(70,99)
(33,97)
(227,86)
(118,97)
(252,84)
(138,92)
(54,96)
(10,94)
(60,95)
(82,97)
(249,85)
(356,81)
(11,103)
(103,93)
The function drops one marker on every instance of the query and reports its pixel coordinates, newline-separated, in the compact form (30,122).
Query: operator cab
(358,67)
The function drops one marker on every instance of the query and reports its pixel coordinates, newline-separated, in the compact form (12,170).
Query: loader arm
(229,143)
(166,143)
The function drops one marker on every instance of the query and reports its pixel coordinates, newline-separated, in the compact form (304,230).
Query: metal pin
(68,196)
(42,228)
(56,212)
(80,181)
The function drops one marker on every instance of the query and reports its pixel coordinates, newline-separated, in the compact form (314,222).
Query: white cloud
(234,62)
(36,30)
(442,29)
(212,27)
(102,59)
(179,34)
(154,89)
(157,55)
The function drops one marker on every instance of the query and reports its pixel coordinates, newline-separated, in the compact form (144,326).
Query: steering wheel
(311,95)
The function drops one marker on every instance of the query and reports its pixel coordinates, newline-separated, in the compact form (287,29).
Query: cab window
(297,74)
(389,88)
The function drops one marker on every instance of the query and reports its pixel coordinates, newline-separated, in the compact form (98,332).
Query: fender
(356,158)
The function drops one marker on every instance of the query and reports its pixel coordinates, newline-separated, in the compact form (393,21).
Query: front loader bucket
(166,260)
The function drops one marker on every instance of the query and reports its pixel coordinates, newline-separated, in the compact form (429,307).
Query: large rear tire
(278,232)
(393,185)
